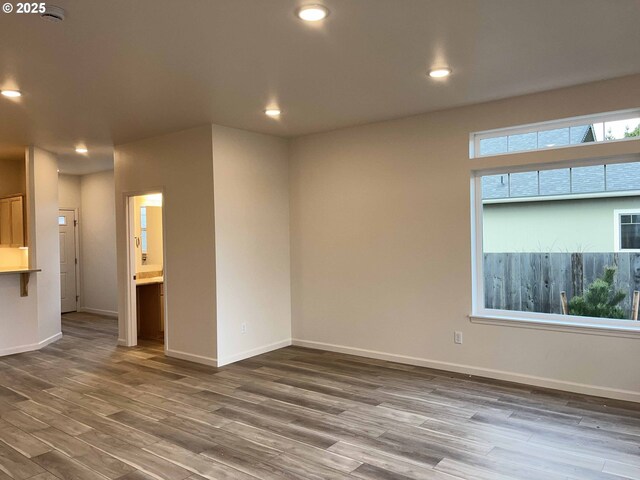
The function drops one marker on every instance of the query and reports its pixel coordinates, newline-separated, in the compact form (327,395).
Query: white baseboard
(574,387)
(96,311)
(212,362)
(253,352)
(30,347)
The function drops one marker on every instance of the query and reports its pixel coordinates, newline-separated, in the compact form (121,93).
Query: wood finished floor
(83,408)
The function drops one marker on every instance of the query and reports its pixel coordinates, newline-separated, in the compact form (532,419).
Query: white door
(68,294)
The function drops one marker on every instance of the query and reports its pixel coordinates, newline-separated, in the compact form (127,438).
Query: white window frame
(617,234)
(545,321)
(476,137)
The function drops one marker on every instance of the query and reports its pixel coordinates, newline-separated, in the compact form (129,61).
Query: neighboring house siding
(585,225)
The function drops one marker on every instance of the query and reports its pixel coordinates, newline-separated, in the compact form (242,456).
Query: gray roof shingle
(563,181)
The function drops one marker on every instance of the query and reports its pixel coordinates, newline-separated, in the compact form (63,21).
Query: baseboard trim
(545,382)
(212,362)
(122,342)
(254,351)
(31,347)
(97,311)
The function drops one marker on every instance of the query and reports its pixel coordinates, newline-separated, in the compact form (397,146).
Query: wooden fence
(532,282)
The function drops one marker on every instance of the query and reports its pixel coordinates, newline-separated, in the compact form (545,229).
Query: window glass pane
(523,141)
(493,146)
(620,129)
(533,248)
(623,176)
(630,236)
(553,138)
(583,134)
(524,184)
(555,182)
(495,186)
(62,220)
(561,133)
(587,179)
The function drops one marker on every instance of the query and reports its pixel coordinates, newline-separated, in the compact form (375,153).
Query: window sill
(559,326)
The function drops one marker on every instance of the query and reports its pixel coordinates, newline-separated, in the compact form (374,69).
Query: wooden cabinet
(150,301)
(5,223)
(12,233)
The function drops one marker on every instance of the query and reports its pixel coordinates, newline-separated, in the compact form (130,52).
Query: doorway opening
(69,275)
(146,317)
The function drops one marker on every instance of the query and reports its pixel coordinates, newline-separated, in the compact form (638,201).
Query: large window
(562,133)
(545,249)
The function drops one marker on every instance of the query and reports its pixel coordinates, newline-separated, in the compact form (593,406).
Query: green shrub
(601,298)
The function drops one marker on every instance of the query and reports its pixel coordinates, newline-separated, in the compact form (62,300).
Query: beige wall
(181,164)
(12,176)
(28,323)
(553,226)
(99,284)
(69,195)
(44,239)
(251,188)
(381,244)
(18,315)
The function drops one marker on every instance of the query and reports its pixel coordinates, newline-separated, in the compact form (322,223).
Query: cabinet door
(17,222)
(5,223)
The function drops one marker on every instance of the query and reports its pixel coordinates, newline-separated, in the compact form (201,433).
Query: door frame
(76,237)
(131,308)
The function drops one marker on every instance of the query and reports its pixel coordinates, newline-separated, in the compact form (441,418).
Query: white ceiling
(121,70)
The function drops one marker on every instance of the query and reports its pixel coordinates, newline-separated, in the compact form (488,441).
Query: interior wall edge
(190,357)
(520,378)
(254,351)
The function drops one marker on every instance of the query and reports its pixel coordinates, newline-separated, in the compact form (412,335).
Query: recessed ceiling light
(313,13)
(11,93)
(439,72)
(81,150)
(272,112)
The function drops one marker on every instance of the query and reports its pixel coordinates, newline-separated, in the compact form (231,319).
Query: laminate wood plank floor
(83,408)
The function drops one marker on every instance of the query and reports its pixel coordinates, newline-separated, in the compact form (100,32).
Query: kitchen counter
(149,281)
(24,273)
(10,270)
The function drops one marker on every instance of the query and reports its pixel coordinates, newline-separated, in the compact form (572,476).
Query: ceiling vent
(53,14)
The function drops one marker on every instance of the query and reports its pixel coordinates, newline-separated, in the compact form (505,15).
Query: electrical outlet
(243,327)
(457,337)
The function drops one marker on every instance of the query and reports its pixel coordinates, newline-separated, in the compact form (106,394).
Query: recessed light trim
(272,112)
(440,72)
(11,93)
(312,13)
(81,150)
(53,13)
